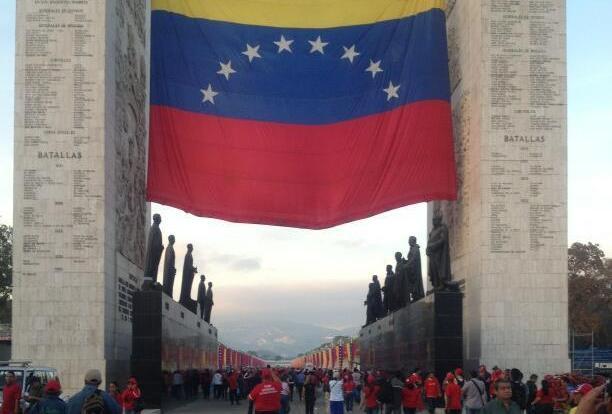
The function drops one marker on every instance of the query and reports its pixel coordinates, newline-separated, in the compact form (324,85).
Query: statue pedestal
(426,334)
(167,336)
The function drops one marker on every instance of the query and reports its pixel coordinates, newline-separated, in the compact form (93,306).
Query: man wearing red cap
(266,396)
(52,403)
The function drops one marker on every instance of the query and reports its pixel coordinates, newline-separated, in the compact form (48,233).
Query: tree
(6,272)
(590,292)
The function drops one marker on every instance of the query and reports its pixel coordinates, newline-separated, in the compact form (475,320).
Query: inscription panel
(526,123)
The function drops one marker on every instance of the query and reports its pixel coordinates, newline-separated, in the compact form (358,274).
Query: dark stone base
(427,334)
(146,358)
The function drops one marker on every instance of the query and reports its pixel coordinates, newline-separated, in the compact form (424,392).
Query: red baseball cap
(458,371)
(584,389)
(53,387)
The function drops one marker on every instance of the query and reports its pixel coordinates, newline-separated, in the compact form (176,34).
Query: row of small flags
(215,357)
(341,355)
(228,357)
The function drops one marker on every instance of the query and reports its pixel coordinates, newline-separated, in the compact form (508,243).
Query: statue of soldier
(202,295)
(378,303)
(369,303)
(188,273)
(439,269)
(209,303)
(388,300)
(413,269)
(169,269)
(401,281)
(154,250)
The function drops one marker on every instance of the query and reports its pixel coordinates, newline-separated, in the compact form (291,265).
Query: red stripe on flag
(301,175)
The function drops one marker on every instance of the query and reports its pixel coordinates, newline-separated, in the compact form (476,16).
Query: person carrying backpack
(51,403)
(91,400)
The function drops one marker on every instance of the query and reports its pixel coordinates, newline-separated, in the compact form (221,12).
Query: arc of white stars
(350,53)
(317,45)
(391,91)
(209,94)
(252,52)
(226,69)
(284,44)
(374,68)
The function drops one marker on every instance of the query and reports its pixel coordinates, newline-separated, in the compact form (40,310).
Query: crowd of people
(272,391)
(45,399)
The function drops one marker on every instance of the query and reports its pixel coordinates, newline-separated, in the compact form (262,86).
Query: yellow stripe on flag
(299,13)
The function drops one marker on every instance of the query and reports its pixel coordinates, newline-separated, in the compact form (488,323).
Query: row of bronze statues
(404,285)
(153,256)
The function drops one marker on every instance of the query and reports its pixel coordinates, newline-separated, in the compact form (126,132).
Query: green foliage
(6,272)
(590,292)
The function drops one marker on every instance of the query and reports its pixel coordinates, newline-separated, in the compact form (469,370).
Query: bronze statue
(378,303)
(188,273)
(202,295)
(413,269)
(369,303)
(439,269)
(154,250)
(169,269)
(401,281)
(388,290)
(209,303)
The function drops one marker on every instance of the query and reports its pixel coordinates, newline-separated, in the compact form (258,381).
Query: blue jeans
(284,404)
(336,407)
(348,401)
(372,410)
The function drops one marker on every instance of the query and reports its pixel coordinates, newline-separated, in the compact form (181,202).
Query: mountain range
(280,338)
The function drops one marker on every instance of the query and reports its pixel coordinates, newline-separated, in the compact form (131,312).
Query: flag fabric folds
(303,113)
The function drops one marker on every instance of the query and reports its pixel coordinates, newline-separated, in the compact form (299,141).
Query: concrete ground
(201,406)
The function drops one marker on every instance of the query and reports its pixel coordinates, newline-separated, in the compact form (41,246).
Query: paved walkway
(201,406)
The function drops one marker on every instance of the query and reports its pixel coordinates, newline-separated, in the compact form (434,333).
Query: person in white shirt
(217,384)
(336,395)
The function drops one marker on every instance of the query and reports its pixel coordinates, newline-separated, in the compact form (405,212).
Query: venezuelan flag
(304,113)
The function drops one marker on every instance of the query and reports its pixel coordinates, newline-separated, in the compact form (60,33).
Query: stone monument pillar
(80,216)
(508,228)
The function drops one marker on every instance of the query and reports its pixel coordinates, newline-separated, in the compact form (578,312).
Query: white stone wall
(509,225)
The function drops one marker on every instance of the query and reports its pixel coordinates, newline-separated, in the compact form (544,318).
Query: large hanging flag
(305,113)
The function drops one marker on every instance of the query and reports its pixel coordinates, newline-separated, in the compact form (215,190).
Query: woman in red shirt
(411,396)
(545,398)
(130,396)
(370,395)
(452,394)
(432,392)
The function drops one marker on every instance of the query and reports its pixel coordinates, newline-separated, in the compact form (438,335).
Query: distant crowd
(41,398)
(272,391)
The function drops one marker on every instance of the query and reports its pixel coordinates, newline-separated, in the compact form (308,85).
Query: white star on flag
(374,68)
(349,53)
(252,52)
(284,44)
(226,69)
(392,91)
(209,94)
(317,45)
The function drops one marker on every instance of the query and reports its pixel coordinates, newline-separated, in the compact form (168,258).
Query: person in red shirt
(11,394)
(432,392)
(348,388)
(452,394)
(411,396)
(545,399)
(129,396)
(370,395)
(232,381)
(266,396)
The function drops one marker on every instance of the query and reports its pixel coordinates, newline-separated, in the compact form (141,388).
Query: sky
(322,276)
